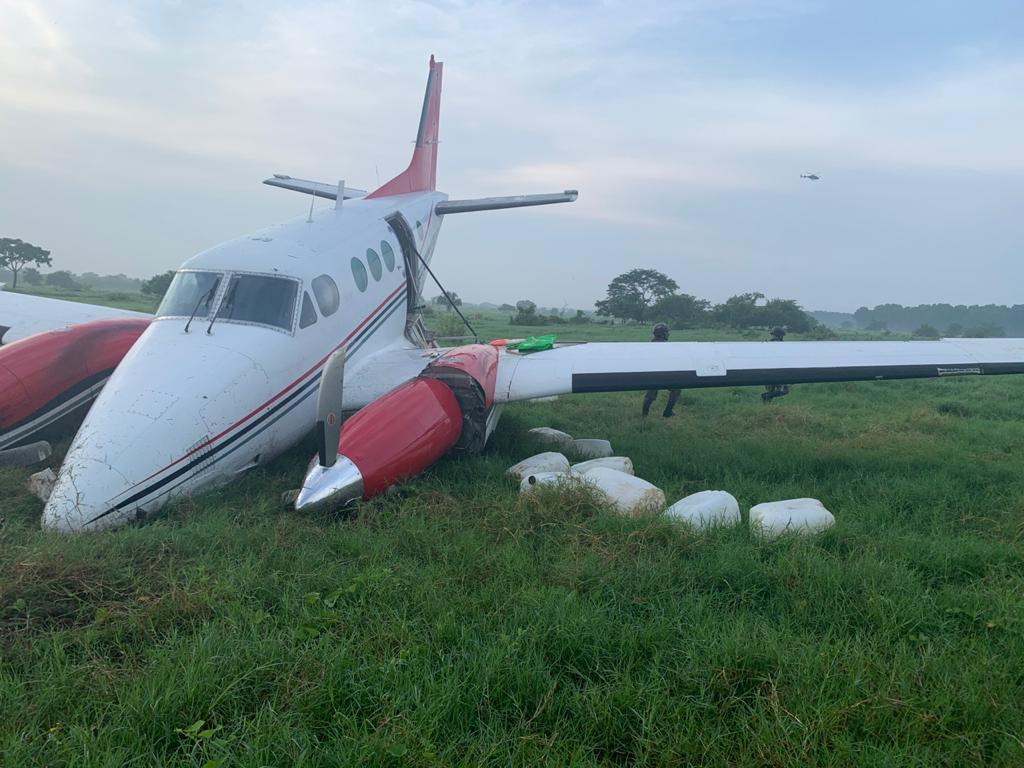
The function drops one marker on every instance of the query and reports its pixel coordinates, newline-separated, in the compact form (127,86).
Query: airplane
(264,338)
(811,176)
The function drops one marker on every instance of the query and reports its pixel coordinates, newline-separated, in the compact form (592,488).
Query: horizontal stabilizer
(496,203)
(316,188)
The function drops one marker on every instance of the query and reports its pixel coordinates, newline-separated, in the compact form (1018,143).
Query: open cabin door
(415,330)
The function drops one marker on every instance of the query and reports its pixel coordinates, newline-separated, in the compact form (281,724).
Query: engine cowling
(405,431)
(54,374)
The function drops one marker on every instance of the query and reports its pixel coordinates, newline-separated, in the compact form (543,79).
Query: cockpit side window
(261,299)
(307,315)
(327,295)
(190,292)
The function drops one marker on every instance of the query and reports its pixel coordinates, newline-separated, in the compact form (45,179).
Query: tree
(925,331)
(15,254)
(62,278)
(157,285)
(788,314)
(985,331)
(954,329)
(453,298)
(740,311)
(32,276)
(632,294)
(526,314)
(682,310)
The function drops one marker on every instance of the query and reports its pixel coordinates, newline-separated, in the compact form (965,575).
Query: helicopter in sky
(811,176)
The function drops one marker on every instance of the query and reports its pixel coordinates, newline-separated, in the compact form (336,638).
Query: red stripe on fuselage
(284,391)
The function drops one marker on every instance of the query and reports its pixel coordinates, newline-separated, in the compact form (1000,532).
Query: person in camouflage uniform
(661,334)
(778,333)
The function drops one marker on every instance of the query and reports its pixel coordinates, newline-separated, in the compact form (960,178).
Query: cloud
(614,98)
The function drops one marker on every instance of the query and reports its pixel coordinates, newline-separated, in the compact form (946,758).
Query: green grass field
(138,302)
(454,623)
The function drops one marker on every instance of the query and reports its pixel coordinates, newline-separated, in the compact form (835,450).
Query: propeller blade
(328,408)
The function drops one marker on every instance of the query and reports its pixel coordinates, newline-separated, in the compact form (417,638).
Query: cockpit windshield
(261,299)
(190,292)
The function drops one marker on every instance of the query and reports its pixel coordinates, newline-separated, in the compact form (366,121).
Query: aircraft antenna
(445,293)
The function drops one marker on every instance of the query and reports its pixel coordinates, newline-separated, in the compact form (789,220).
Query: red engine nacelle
(408,429)
(49,375)
(402,433)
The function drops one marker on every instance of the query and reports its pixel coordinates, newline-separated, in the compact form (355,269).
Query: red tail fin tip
(421,175)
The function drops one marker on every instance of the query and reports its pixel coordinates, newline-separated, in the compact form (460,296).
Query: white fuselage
(188,410)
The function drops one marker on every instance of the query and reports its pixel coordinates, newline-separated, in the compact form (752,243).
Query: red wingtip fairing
(421,175)
(55,367)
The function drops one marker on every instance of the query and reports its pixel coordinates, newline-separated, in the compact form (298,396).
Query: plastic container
(546,479)
(550,436)
(541,462)
(790,516)
(628,494)
(705,509)
(592,448)
(621,463)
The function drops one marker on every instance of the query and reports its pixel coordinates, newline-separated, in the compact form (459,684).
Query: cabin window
(189,292)
(307,315)
(328,298)
(388,254)
(261,299)
(374,261)
(359,273)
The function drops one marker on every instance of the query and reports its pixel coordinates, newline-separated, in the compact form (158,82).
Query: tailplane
(421,175)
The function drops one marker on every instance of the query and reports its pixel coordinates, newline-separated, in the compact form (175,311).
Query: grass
(454,623)
(138,302)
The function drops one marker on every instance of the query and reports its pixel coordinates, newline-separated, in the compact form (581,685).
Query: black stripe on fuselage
(53,410)
(639,380)
(258,425)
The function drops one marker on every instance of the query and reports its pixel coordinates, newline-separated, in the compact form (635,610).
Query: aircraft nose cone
(78,501)
(150,421)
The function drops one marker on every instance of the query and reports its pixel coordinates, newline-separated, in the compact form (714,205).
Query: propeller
(328,408)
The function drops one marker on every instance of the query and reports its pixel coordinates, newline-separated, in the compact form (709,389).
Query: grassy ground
(457,624)
(138,302)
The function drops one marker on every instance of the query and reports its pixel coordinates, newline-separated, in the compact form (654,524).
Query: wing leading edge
(624,366)
(23,315)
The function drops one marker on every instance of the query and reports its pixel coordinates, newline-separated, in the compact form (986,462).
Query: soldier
(778,333)
(661,334)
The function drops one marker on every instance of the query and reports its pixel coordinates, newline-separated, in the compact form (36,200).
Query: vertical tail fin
(421,175)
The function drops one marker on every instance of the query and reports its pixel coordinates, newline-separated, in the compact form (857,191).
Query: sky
(134,134)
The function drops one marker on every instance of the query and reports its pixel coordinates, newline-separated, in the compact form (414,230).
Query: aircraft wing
(623,366)
(22,315)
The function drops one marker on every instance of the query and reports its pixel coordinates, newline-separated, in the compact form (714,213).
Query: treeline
(649,296)
(71,281)
(948,319)
(527,313)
